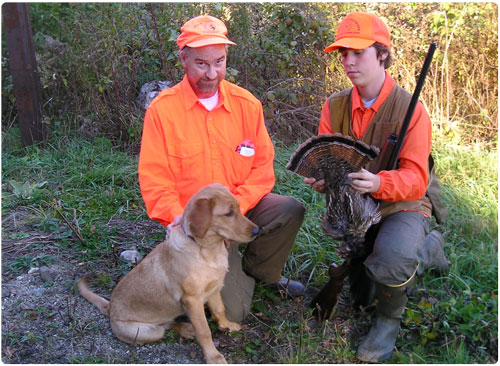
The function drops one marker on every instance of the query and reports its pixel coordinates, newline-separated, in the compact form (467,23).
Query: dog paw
(187,331)
(216,358)
(229,326)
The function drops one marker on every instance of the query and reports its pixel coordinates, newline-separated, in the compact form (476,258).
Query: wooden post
(23,67)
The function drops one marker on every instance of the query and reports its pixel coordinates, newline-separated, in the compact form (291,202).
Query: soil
(46,321)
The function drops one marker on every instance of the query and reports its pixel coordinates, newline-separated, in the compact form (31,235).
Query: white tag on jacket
(247,151)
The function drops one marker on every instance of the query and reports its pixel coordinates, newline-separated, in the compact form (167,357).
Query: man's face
(205,68)
(361,66)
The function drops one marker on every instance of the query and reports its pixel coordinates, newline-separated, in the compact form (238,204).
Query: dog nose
(255,231)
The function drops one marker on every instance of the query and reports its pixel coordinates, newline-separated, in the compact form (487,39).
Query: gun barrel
(393,162)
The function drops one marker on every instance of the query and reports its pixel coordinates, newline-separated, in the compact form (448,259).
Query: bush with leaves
(94,57)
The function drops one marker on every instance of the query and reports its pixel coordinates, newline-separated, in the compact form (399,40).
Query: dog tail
(101,303)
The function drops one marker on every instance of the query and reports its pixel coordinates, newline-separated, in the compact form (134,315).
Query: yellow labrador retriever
(180,275)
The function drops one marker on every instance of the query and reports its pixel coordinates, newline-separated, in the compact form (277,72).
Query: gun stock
(324,302)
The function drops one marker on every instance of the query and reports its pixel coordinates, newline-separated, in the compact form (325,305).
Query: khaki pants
(279,218)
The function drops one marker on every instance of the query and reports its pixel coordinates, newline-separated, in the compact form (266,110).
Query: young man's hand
(364,181)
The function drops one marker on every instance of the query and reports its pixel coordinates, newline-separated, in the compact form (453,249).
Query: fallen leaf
(9,352)
(433,300)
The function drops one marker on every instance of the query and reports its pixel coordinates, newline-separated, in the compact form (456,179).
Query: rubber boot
(431,254)
(238,288)
(381,339)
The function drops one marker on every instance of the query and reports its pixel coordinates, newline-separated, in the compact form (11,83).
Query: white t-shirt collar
(210,103)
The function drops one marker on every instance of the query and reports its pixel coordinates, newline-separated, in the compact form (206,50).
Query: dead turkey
(349,214)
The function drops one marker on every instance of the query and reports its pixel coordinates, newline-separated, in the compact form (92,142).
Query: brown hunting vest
(387,120)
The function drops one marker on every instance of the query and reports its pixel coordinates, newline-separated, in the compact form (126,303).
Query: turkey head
(349,214)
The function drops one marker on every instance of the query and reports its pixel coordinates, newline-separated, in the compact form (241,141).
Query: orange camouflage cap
(203,30)
(359,31)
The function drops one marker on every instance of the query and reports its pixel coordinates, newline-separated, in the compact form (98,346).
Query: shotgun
(390,151)
(324,302)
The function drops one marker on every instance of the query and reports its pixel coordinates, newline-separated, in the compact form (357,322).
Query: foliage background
(94,57)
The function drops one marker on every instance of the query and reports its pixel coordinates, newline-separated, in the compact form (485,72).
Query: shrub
(94,57)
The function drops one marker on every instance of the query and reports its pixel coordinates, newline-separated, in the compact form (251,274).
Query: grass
(87,183)
(450,319)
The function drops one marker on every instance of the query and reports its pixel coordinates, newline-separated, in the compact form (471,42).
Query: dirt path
(47,322)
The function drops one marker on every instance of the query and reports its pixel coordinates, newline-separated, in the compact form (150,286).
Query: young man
(371,110)
(206,130)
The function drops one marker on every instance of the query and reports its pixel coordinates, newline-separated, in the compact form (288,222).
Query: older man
(206,130)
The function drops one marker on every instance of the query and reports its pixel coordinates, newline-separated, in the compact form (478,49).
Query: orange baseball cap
(359,31)
(203,30)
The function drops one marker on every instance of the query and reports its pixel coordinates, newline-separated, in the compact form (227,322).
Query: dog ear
(200,217)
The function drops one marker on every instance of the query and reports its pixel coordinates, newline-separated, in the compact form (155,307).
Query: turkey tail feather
(317,153)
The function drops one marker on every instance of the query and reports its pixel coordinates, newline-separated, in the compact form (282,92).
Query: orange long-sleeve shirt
(185,147)
(409,181)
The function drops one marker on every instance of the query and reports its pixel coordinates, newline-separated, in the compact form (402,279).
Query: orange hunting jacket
(409,181)
(185,147)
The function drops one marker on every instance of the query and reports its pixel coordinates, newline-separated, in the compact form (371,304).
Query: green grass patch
(86,183)
(450,319)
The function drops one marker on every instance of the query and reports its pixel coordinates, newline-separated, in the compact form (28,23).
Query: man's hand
(364,181)
(318,186)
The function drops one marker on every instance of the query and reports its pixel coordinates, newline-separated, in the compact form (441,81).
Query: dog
(180,275)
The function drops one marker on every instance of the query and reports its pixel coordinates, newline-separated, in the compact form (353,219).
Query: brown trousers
(279,218)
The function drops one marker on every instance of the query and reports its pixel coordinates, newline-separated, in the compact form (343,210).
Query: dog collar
(189,236)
